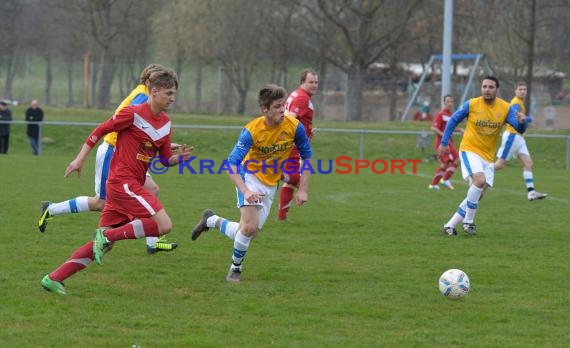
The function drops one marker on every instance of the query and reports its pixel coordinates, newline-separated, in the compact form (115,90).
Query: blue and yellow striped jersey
(518,105)
(262,149)
(137,96)
(484,124)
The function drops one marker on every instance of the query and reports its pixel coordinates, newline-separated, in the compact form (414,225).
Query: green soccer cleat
(100,245)
(161,245)
(53,286)
(44,216)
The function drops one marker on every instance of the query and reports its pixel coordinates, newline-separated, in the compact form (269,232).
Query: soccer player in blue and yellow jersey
(513,144)
(257,163)
(105,152)
(485,117)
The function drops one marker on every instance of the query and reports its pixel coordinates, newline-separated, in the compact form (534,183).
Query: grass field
(356,267)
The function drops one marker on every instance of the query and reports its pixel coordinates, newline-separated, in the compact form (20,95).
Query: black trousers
(4,143)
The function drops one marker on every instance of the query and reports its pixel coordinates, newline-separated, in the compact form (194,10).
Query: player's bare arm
(302,195)
(250,196)
(77,164)
(180,151)
(441,150)
(436,131)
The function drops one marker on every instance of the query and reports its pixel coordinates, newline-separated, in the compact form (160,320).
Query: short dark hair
(306,72)
(164,78)
(520,83)
(270,93)
(492,78)
(447,96)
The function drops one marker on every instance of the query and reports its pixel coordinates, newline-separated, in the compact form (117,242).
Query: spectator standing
(34,114)
(5,115)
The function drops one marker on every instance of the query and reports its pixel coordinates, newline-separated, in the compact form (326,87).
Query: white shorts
(263,206)
(472,163)
(105,152)
(512,145)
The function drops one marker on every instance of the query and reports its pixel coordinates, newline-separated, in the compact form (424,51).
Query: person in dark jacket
(34,114)
(5,115)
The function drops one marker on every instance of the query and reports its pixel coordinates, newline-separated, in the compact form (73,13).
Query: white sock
(74,205)
(473,195)
(229,228)
(459,215)
(528,180)
(211,221)
(241,244)
(151,241)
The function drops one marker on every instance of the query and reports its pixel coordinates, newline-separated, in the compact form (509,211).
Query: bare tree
(360,32)
(107,20)
(239,46)
(11,21)
(182,34)
(516,40)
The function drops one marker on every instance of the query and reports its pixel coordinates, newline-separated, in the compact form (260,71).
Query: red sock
(293,179)
(76,262)
(285,199)
(135,229)
(437,176)
(449,172)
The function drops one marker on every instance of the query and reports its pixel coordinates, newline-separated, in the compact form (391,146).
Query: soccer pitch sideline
(356,267)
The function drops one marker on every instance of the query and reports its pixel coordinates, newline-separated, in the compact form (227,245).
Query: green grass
(356,267)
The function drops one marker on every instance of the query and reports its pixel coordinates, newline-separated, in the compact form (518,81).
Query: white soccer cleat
(447,184)
(534,195)
(433,187)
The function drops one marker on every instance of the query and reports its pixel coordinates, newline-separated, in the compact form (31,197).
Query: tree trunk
(198,86)
(354,94)
(393,95)
(530,62)
(242,100)
(106,78)
(319,97)
(180,59)
(11,68)
(49,80)
(70,81)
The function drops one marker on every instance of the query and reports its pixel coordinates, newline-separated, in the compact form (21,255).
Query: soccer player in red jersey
(300,106)
(449,160)
(131,211)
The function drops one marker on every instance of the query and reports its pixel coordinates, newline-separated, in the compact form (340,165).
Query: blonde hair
(145,74)
(164,78)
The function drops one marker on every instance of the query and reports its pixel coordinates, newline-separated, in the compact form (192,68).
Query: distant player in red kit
(450,160)
(298,105)
(131,211)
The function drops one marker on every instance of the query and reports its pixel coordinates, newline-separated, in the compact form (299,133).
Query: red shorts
(449,156)
(126,202)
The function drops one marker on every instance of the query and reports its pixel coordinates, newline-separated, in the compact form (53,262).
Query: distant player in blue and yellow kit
(485,117)
(514,145)
(105,152)
(257,161)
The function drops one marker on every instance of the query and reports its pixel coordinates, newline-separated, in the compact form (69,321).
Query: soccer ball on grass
(454,284)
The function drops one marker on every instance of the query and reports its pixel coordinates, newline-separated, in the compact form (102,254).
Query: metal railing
(361,132)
